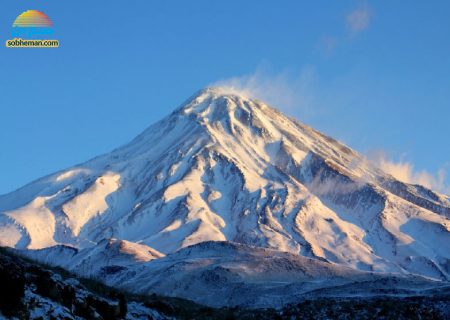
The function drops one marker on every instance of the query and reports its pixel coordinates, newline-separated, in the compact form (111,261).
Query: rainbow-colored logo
(32,24)
(33,19)
(32,28)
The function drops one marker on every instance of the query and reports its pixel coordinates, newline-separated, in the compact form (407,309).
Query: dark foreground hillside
(32,291)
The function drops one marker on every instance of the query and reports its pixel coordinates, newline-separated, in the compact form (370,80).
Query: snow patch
(92,202)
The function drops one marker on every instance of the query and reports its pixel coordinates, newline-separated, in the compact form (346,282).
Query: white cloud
(356,22)
(404,171)
(287,91)
(359,19)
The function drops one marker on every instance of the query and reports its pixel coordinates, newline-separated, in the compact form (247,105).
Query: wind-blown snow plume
(285,90)
(405,171)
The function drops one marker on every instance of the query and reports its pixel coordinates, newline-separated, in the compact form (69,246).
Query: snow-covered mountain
(224,167)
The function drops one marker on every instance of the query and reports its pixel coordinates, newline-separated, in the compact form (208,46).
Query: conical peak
(224,91)
(219,100)
(218,115)
(212,107)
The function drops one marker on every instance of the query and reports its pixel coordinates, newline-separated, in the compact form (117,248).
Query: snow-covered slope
(223,167)
(107,256)
(223,273)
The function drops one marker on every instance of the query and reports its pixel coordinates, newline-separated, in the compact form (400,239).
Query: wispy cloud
(405,171)
(334,185)
(287,91)
(355,21)
(359,19)
(328,44)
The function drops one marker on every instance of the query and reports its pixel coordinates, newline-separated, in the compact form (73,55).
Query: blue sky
(375,75)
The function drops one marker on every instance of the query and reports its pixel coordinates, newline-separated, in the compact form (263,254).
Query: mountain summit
(223,167)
